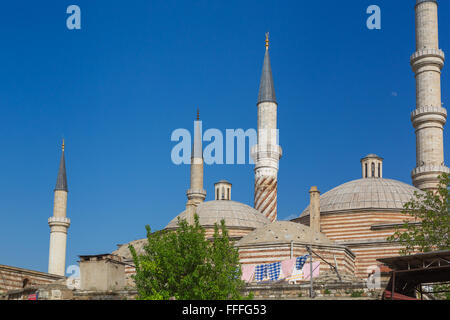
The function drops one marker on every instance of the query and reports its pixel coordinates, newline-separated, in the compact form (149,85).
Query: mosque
(346,226)
(349,224)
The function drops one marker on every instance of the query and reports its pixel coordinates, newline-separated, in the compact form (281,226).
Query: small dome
(385,194)
(282,231)
(236,215)
(124,252)
(222,181)
(372,155)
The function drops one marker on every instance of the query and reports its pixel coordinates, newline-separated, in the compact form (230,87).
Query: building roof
(124,252)
(282,231)
(236,215)
(61,180)
(266,88)
(222,181)
(421,260)
(369,193)
(372,155)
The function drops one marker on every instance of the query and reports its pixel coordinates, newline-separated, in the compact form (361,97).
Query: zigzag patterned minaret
(59,223)
(429,116)
(267,152)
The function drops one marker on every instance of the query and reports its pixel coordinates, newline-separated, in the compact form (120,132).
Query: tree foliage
(431,211)
(185,265)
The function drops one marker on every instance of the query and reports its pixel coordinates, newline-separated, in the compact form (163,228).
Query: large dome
(236,215)
(280,232)
(368,193)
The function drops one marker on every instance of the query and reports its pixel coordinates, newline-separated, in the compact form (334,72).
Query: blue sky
(137,70)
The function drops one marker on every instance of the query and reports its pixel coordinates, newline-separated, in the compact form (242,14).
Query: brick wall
(13,278)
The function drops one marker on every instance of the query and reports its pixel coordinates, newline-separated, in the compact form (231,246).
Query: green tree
(185,265)
(431,211)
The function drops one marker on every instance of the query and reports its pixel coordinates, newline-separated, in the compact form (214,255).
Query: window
(373,170)
(25,282)
(379,170)
(365,174)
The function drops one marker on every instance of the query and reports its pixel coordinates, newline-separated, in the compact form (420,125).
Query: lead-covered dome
(235,214)
(368,193)
(283,231)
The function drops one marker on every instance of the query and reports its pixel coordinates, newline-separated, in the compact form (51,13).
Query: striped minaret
(429,117)
(267,152)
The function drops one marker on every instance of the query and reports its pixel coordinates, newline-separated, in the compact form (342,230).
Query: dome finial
(198,114)
(267,41)
(62,147)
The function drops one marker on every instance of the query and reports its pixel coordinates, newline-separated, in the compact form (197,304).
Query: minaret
(314,211)
(59,223)
(267,152)
(196,194)
(429,117)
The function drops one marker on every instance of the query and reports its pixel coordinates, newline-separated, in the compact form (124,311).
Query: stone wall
(364,233)
(321,291)
(13,278)
(273,252)
(102,272)
(62,292)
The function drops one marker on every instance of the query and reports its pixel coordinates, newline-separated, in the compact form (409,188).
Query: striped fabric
(297,275)
(301,261)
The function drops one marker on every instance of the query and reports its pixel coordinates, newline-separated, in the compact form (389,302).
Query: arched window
(217,193)
(228,193)
(373,170)
(25,282)
(379,170)
(365,174)
(223,193)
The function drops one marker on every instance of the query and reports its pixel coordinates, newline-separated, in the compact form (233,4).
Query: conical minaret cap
(61,180)
(266,88)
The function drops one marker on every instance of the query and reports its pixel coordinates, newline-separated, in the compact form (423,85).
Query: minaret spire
(61,180)
(59,223)
(266,87)
(196,194)
(429,117)
(267,152)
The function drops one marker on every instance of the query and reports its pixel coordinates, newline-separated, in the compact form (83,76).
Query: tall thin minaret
(267,152)
(196,194)
(59,223)
(429,117)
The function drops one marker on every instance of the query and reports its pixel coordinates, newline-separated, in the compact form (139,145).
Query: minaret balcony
(259,151)
(196,193)
(426,169)
(428,56)
(428,114)
(59,221)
